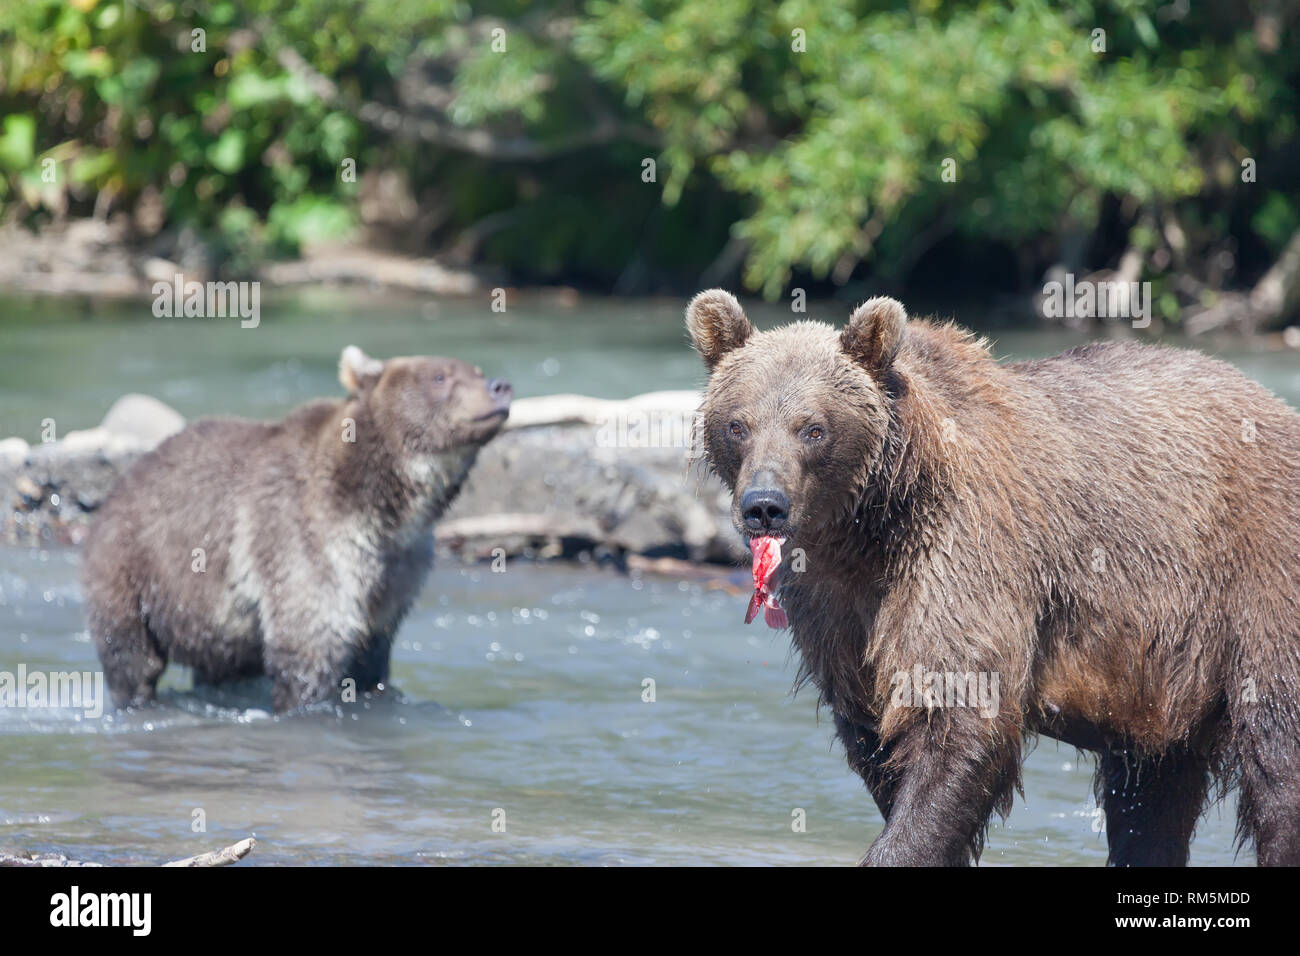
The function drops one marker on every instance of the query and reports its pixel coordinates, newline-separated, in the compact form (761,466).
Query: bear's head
(795,419)
(423,406)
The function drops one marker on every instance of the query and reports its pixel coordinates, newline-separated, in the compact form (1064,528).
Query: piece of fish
(767,557)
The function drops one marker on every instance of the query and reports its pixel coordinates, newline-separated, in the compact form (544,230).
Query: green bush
(826,159)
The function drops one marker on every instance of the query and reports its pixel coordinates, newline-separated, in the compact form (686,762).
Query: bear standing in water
(1109,539)
(293,548)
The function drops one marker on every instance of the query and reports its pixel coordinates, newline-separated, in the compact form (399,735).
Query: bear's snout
(764,510)
(500,389)
(500,392)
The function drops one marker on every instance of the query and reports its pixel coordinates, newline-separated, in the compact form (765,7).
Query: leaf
(18,142)
(309,219)
(227,153)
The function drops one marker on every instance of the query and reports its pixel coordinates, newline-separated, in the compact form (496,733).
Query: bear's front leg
(308,664)
(869,759)
(370,664)
(945,775)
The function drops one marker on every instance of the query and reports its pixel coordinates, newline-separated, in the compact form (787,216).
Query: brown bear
(1108,539)
(293,548)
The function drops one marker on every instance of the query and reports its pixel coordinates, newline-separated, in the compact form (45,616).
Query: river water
(521,733)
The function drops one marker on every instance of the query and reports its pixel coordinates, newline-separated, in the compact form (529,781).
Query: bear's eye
(440,379)
(814,433)
(737,429)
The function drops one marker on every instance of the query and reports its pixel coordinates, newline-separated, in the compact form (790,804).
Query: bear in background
(1108,539)
(293,548)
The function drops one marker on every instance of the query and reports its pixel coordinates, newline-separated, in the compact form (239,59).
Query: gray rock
(562,486)
(143,418)
(13,452)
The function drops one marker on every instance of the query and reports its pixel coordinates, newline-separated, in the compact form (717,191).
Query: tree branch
(477,142)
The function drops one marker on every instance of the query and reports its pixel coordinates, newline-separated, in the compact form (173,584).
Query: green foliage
(127,98)
(816,131)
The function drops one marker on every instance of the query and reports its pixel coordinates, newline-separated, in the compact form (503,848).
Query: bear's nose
(764,509)
(500,389)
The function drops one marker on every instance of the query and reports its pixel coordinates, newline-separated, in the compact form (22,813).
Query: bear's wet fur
(292,548)
(1114,532)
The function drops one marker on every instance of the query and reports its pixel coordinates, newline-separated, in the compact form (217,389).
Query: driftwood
(357,264)
(529,525)
(1275,296)
(223,857)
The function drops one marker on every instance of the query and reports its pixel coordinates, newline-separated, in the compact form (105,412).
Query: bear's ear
(717,325)
(874,332)
(358,371)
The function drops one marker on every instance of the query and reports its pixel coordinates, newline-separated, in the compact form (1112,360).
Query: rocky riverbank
(570,476)
(103,259)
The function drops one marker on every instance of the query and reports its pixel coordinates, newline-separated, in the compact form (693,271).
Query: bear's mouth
(499,411)
(482,428)
(750,536)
